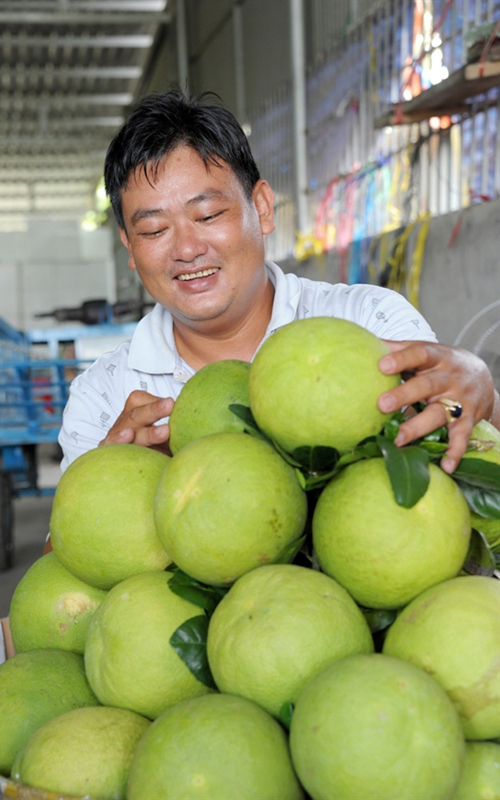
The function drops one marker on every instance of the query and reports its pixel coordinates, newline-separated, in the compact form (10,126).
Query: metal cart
(33,393)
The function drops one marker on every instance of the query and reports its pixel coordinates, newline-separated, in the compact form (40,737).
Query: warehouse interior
(375,121)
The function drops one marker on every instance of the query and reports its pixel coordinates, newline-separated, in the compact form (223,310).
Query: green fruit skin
(480,779)
(382,553)
(102,527)
(128,657)
(193,416)
(277,627)
(484,431)
(35,687)
(228,503)
(316,381)
(451,631)
(217,746)
(375,727)
(83,752)
(52,608)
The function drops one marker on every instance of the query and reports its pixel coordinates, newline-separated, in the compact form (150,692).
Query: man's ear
(263,197)
(126,243)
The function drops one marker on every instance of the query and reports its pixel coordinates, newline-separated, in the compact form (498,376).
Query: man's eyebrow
(144,213)
(209,194)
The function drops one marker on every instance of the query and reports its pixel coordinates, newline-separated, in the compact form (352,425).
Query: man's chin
(193,318)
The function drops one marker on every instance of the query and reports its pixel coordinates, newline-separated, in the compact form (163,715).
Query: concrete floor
(31,525)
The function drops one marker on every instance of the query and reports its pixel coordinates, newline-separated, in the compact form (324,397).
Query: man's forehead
(180,158)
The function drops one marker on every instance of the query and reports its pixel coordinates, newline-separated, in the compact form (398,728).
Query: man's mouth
(202,273)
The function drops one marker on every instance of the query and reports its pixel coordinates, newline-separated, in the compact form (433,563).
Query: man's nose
(187,243)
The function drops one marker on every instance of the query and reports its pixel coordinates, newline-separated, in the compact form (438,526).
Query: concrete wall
(458,280)
(54,264)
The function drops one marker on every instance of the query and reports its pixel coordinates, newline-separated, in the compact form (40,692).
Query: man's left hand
(434,372)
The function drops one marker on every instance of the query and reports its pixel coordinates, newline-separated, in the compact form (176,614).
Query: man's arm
(434,372)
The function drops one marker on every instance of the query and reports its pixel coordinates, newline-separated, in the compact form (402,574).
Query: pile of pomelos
(209,627)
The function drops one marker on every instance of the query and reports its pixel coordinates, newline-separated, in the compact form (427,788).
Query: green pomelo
(217,747)
(202,407)
(370,727)
(129,660)
(102,527)
(276,628)
(34,688)
(487,440)
(228,503)
(83,752)
(451,631)
(382,553)
(485,434)
(490,528)
(316,381)
(480,779)
(52,608)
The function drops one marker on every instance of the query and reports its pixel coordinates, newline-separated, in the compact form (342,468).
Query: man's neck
(204,344)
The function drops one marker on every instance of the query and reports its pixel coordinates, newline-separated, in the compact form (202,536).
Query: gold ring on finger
(453,409)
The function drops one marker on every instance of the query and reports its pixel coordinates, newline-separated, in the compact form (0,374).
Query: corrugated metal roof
(69,70)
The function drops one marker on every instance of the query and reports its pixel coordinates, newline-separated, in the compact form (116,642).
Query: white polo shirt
(150,361)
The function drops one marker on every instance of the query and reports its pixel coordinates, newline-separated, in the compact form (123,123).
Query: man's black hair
(163,121)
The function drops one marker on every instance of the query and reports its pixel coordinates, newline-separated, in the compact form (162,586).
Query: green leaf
(482,502)
(285,714)
(368,448)
(316,459)
(207,597)
(439,435)
(435,449)
(480,560)
(391,429)
(301,479)
(245,414)
(190,643)
(287,456)
(478,472)
(379,619)
(290,551)
(408,470)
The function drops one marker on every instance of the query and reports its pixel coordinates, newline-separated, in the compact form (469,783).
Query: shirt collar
(153,351)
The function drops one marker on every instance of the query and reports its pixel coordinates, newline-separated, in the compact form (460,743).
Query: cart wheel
(6,521)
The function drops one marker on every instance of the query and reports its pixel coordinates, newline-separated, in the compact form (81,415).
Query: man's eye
(151,234)
(209,217)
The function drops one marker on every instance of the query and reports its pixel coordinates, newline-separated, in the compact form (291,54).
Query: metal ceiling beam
(104,73)
(105,99)
(125,42)
(53,160)
(55,175)
(83,5)
(84,18)
(70,143)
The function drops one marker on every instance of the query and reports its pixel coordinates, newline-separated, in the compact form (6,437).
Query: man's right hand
(136,423)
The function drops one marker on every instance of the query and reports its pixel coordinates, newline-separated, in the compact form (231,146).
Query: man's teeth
(190,276)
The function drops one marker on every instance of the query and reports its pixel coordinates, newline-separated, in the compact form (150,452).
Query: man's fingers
(459,435)
(421,387)
(431,418)
(117,436)
(138,416)
(407,356)
(146,437)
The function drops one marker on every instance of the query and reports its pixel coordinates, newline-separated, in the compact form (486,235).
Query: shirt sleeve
(383,312)
(89,414)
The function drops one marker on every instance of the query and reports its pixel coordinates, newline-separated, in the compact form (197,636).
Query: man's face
(196,240)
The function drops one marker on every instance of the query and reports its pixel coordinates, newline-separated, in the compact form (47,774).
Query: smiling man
(193,213)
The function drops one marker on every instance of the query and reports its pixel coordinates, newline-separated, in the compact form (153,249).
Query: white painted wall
(54,264)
